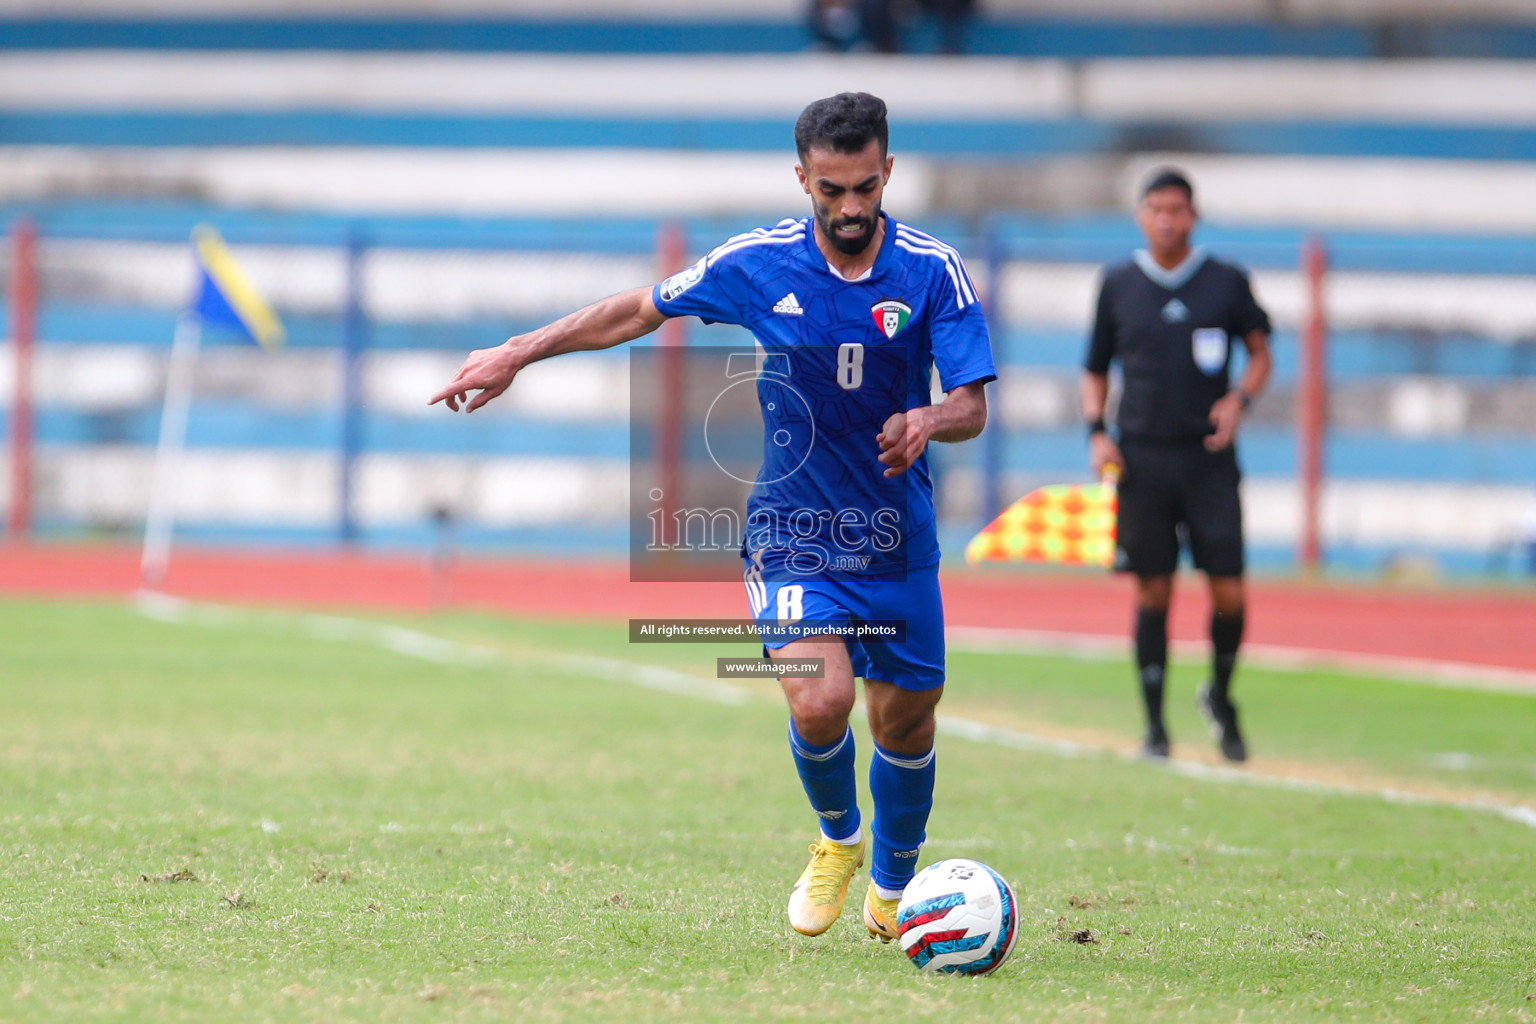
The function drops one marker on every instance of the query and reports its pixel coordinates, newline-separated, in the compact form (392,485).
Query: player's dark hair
(1168,177)
(845,123)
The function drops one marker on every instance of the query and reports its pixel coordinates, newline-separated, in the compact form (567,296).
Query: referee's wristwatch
(1243,398)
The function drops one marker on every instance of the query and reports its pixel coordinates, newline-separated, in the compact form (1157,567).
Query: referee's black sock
(1152,659)
(1226,637)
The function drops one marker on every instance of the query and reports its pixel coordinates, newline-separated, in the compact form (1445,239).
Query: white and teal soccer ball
(958,916)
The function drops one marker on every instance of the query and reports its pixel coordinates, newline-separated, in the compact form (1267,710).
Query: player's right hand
(1102,451)
(487,370)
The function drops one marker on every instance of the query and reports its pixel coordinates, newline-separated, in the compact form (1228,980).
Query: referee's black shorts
(1178,492)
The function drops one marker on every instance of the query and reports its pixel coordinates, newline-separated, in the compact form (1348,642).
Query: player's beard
(849,246)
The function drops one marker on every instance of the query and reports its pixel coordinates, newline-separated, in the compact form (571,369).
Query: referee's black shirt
(1173,332)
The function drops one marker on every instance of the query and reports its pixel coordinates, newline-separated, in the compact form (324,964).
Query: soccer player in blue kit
(852,309)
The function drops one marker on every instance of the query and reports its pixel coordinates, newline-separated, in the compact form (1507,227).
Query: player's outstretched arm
(960,417)
(612,321)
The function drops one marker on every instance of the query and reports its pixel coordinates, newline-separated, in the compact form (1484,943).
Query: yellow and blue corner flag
(225,296)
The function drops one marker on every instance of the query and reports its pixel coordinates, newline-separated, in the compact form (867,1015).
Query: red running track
(1478,627)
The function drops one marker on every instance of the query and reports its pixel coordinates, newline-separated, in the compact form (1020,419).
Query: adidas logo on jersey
(1175,312)
(789,304)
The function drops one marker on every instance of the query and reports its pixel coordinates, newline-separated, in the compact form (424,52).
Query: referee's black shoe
(1155,742)
(1221,713)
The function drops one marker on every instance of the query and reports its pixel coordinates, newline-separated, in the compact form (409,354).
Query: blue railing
(981,137)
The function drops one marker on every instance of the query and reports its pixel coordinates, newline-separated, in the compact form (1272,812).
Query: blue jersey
(837,358)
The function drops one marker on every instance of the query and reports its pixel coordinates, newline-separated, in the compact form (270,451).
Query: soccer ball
(958,916)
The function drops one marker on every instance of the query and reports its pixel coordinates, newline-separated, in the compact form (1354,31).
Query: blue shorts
(914,663)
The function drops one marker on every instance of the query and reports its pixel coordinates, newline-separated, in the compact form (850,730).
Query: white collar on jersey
(851,280)
(1173,279)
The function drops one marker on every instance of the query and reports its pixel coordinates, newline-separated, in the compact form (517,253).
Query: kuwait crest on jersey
(891,315)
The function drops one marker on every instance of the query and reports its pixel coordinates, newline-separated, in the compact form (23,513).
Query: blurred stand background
(409,181)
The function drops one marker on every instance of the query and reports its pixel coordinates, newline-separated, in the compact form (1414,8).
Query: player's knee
(909,731)
(1231,609)
(1154,593)
(822,717)
(1227,595)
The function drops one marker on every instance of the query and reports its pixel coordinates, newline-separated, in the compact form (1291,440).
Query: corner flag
(1063,524)
(225,296)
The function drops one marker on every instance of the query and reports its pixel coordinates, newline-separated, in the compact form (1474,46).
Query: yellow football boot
(880,915)
(818,896)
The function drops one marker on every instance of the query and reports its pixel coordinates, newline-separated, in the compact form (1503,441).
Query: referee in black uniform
(1170,315)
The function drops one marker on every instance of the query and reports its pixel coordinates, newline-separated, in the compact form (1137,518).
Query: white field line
(1097,647)
(978,732)
(414,644)
(652,677)
(409,642)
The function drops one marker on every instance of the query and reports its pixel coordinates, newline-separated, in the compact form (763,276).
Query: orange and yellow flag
(1063,524)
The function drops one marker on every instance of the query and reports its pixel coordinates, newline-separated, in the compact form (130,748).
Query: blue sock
(903,790)
(827,775)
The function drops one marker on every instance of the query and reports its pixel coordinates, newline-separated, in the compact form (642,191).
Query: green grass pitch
(247,820)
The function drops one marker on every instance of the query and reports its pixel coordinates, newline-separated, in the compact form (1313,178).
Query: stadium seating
(474,158)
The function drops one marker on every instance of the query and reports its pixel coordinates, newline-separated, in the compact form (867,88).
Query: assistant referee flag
(225,296)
